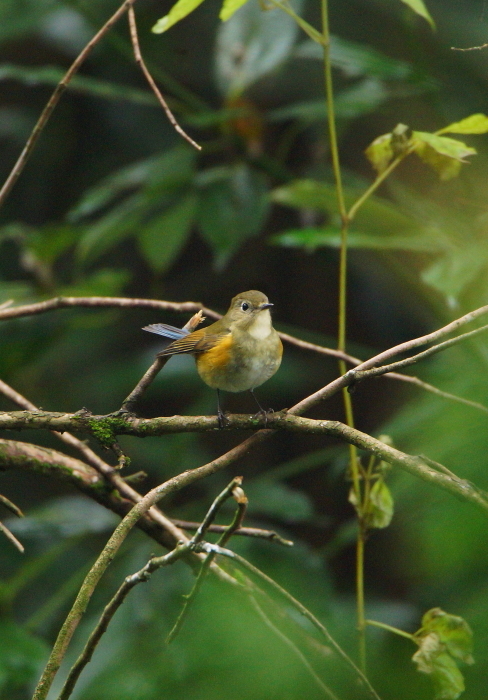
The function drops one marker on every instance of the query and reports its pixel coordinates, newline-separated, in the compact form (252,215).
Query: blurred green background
(114,202)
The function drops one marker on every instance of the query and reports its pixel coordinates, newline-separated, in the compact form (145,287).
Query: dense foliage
(115,202)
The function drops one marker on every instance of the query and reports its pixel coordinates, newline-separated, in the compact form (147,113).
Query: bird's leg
(220,414)
(262,411)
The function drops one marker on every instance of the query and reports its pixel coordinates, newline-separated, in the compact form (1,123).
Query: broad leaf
(232,207)
(443,154)
(453,631)
(380,152)
(475,124)
(180,10)
(162,239)
(265,39)
(419,7)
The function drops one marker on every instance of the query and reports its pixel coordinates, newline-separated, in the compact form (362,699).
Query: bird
(239,352)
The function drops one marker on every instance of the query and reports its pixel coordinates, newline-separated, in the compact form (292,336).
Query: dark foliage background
(114,202)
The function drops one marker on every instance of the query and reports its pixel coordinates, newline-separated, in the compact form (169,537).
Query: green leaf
(452,148)
(265,40)
(229,7)
(475,124)
(179,11)
(446,676)
(376,216)
(167,171)
(453,631)
(380,152)
(355,60)
(419,7)
(162,239)
(232,207)
(330,236)
(119,223)
(21,656)
(104,282)
(379,509)
(443,154)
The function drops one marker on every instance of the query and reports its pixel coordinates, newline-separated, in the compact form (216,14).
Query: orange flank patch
(214,360)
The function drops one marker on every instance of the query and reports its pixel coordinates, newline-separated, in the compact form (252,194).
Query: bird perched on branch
(237,353)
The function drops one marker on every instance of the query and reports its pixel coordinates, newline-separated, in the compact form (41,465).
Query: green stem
(389,628)
(360,597)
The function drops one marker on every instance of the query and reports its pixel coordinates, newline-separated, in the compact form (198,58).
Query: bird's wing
(196,342)
(167,331)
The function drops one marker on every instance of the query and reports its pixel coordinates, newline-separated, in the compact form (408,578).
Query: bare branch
(54,99)
(10,536)
(150,80)
(100,302)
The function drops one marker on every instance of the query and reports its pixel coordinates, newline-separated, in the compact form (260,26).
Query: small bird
(237,353)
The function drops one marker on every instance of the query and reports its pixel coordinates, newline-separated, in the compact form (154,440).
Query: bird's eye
(244,306)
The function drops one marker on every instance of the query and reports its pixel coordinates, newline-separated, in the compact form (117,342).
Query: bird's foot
(264,413)
(222,419)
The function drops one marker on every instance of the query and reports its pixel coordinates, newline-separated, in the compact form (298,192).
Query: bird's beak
(265,306)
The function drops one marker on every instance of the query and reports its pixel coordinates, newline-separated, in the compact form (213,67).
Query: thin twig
(109,611)
(54,99)
(229,491)
(156,367)
(150,80)
(269,535)
(100,302)
(190,306)
(10,536)
(99,464)
(11,506)
(357,374)
(295,649)
(216,549)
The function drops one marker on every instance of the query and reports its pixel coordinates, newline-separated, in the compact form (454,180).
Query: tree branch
(54,99)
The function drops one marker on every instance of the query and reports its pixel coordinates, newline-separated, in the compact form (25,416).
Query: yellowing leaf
(177,12)
(380,152)
(229,7)
(419,7)
(475,124)
(452,148)
(442,153)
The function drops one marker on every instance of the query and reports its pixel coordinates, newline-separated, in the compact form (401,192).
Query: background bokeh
(114,202)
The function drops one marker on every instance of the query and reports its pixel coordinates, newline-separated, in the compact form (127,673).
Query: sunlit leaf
(163,237)
(264,39)
(475,124)
(229,7)
(442,153)
(180,10)
(419,7)
(445,146)
(380,153)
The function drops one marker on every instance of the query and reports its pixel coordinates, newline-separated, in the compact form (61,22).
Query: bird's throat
(261,327)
